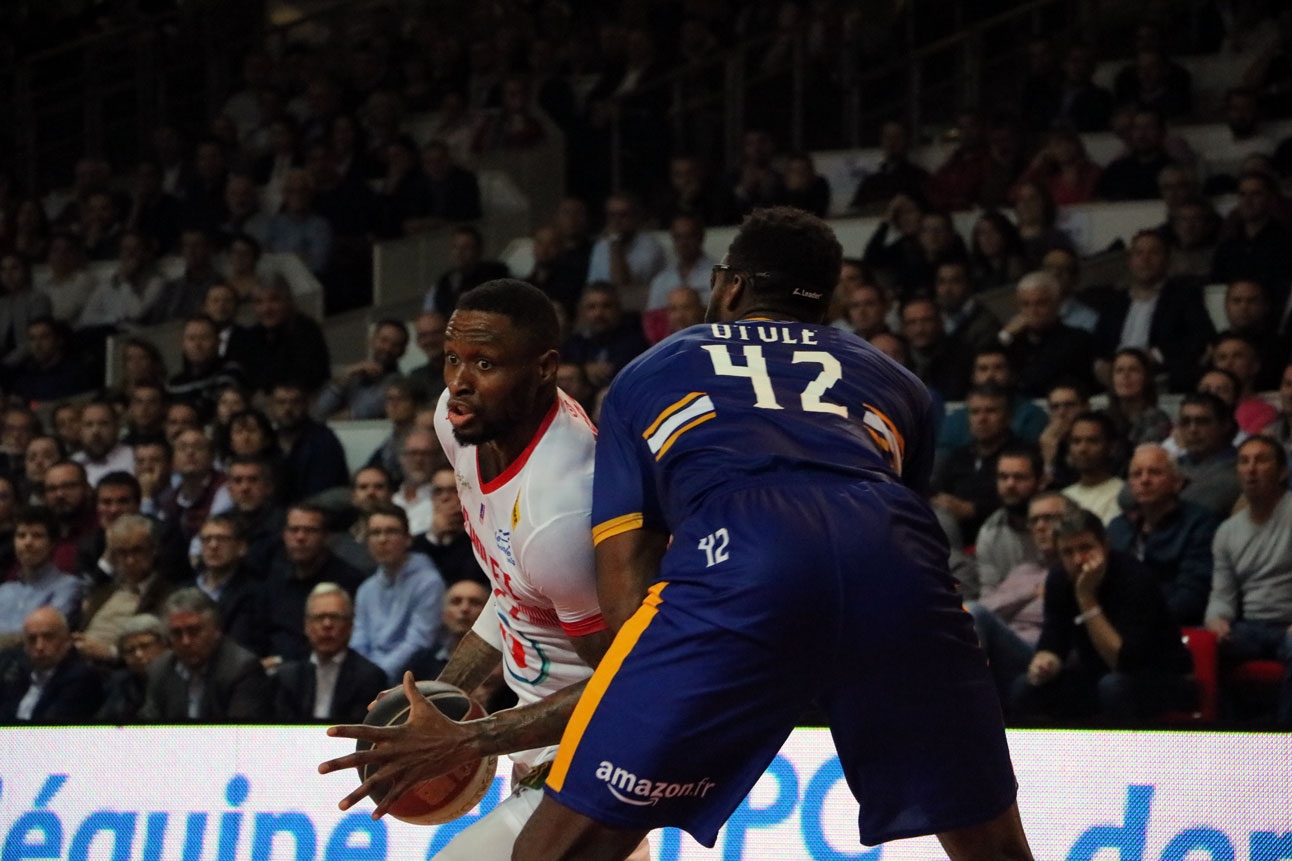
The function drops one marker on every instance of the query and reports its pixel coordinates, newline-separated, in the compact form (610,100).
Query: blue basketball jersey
(723,405)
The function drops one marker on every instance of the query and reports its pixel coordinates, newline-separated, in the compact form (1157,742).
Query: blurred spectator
(359,391)
(203,197)
(67,495)
(963,317)
(304,563)
(890,260)
(100,227)
(551,272)
(514,124)
(1191,229)
(419,457)
(691,267)
(47,682)
(1036,214)
(142,640)
(313,459)
(1132,399)
(1260,248)
(250,479)
(1156,81)
(1004,163)
(1064,402)
(895,174)
(1237,354)
(1134,176)
(805,189)
(1040,345)
(372,486)
(116,495)
(297,228)
(1064,168)
(445,541)
(224,576)
(67,283)
(28,237)
(245,216)
(37,581)
(1065,266)
(153,212)
(397,610)
(691,191)
(402,401)
(1281,428)
(1205,426)
(287,344)
(334,683)
(102,451)
(153,469)
(1250,606)
(1008,616)
(49,372)
(1271,72)
(183,296)
(140,360)
(625,255)
(66,419)
(207,677)
(18,427)
(19,305)
(996,254)
(137,585)
(1170,536)
(1108,644)
(463,602)
(1165,317)
(244,254)
(221,306)
(1082,103)
(938,243)
(428,330)
(1092,442)
(203,372)
(129,293)
(965,483)
(991,365)
(42,453)
(1004,540)
(442,192)
(756,181)
(469,269)
(604,338)
(1249,313)
(956,182)
(200,491)
(865,306)
(179,418)
(938,359)
(684,309)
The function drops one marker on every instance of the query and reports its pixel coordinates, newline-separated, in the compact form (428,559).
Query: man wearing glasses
(1206,428)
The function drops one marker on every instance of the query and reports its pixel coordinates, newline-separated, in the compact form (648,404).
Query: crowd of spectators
(191,543)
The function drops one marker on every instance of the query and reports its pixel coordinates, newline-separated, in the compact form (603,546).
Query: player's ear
(548,362)
(735,288)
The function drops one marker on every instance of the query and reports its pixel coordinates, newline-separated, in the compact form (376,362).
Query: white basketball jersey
(531,528)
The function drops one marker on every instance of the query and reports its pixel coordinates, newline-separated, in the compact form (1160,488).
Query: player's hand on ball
(425,746)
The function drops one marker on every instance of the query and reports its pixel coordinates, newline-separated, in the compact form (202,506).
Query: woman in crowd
(1064,169)
(996,251)
(1036,214)
(1132,399)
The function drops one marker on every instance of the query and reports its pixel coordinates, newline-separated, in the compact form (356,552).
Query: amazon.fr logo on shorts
(642,792)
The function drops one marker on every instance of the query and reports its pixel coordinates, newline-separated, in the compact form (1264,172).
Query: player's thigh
(557,832)
(491,837)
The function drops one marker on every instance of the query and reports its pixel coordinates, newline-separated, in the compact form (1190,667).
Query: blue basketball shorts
(771,599)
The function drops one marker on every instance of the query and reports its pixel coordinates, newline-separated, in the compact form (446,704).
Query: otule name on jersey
(767,333)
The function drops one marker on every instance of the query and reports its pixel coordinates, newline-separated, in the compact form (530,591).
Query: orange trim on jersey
(596,688)
(518,464)
(585,627)
(901,440)
(668,411)
(617,526)
(668,443)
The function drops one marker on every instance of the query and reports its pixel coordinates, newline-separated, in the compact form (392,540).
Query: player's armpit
(627,563)
(471,663)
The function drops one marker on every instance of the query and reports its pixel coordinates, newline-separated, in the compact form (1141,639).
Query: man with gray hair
(136,587)
(1041,346)
(335,683)
(1171,536)
(207,677)
(142,640)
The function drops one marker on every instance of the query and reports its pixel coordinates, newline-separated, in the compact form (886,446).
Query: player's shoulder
(558,476)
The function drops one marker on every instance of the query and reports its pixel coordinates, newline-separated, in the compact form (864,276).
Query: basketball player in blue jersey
(762,543)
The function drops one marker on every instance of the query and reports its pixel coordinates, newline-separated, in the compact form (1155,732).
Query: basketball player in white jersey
(522,452)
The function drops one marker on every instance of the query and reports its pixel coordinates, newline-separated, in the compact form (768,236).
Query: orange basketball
(447,797)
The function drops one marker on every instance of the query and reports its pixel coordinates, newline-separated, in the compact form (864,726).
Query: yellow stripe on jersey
(596,688)
(617,526)
(664,431)
(668,411)
(668,443)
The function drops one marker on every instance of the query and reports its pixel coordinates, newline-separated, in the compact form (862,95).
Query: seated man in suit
(335,683)
(142,640)
(47,682)
(207,677)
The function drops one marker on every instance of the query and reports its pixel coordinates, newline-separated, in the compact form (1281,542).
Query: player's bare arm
(429,744)
(627,564)
(471,663)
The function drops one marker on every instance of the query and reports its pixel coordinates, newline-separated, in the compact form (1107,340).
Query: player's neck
(499,454)
(765,315)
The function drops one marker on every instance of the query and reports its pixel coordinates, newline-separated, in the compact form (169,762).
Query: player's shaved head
(527,307)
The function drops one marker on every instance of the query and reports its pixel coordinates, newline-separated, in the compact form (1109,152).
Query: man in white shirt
(624,255)
(1090,452)
(102,451)
(691,268)
(419,458)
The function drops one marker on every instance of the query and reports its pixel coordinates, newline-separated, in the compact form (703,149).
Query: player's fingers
(360,731)
(355,797)
(416,702)
(378,697)
(358,759)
